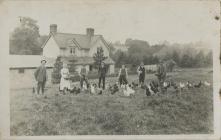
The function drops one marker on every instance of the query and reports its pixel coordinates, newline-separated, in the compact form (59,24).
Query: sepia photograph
(112,67)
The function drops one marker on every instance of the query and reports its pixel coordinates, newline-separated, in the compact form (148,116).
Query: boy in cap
(141,73)
(41,76)
(83,76)
(161,74)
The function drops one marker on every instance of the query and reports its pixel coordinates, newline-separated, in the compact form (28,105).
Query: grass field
(190,112)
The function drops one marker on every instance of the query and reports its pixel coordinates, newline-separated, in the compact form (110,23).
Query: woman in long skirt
(65,84)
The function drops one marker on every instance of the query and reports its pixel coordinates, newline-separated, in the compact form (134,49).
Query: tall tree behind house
(25,39)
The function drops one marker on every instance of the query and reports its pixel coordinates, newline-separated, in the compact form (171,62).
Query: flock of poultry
(152,88)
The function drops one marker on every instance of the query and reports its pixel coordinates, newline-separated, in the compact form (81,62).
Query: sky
(153,21)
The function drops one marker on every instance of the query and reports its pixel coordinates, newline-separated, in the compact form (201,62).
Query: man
(141,73)
(41,76)
(83,76)
(102,74)
(122,76)
(161,74)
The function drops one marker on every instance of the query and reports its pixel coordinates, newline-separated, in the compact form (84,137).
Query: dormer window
(72,50)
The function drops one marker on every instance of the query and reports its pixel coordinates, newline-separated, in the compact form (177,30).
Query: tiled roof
(83,41)
(28,61)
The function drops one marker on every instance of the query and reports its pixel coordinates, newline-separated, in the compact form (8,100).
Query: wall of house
(26,79)
(51,49)
(111,69)
(78,52)
(78,68)
(99,43)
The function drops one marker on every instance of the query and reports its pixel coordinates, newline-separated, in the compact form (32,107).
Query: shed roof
(28,61)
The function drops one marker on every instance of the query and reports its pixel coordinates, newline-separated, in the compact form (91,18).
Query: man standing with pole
(161,74)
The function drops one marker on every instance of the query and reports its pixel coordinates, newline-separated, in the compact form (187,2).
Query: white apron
(64,83)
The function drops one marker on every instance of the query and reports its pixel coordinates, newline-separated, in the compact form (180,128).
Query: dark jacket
(142,70)
(102,71)
(161,71)
(83,71)
(41,74)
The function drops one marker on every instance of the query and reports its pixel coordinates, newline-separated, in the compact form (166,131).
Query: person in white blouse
(65,84)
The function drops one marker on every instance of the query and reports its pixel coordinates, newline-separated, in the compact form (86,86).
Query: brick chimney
(90,32)
(53,28)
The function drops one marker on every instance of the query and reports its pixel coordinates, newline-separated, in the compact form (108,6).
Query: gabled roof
(65,40)
(28,61)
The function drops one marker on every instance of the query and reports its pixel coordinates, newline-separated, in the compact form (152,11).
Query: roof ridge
(77,34)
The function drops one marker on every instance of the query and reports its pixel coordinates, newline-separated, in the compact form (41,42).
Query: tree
(176,57)
(25,38)
(187,61)
(170,64)
(56,75)
(99,57)
(120,58)
(200,59)
(209,59)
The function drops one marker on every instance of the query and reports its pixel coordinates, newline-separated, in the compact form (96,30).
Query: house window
(21,70)
(90,68)
(72,50)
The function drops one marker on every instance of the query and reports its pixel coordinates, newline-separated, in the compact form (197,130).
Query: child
(141,73)
(83,77)
(122,76)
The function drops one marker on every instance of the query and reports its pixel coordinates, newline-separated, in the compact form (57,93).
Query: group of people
(65,84)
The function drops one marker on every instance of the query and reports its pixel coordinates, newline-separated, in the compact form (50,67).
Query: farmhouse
(22,68)
(76,48)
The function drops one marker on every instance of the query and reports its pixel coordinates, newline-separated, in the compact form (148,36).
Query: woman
(65,84)
(122,76)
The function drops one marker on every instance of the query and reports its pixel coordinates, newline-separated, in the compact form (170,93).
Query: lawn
(188,112)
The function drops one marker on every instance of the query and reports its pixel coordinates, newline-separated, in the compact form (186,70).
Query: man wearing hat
(161,74)
(41,76)
(141,73)
(102,74)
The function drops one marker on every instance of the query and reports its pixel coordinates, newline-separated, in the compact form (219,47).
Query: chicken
(182,85)
(100,92)
(166,85)
(174,85)
(92,89)
(75,90)
(189,85)
(134,85)
(113,89)
(128,91)
(207,83)
(84,86)
(198,85)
